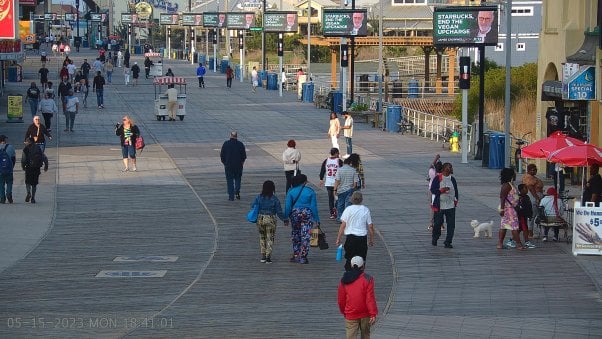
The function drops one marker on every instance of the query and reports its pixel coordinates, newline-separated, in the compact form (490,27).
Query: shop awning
(586,54)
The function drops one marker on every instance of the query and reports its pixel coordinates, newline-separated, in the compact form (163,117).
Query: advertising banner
(240,20)
(587,230)
(7,20)
(465,26)
(15,108)
(50,16)
(71,16)
(210,19)
(192,19)
(344,22)
(129,18)
(277,22)
(96,17)
(168,19)
(581,85)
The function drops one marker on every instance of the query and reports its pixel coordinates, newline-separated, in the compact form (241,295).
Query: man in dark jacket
(356,300)
(233,157)
(98,86)
(85,68)
(64,88)
(32,160)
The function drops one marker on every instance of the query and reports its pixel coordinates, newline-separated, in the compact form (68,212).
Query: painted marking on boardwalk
(131,274)
(149,258)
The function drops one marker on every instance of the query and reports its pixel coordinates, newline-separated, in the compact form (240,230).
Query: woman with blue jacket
(302,209)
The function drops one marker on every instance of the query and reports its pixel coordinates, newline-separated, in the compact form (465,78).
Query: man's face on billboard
(249,19)
(290,19)
(358,20)
(485,21)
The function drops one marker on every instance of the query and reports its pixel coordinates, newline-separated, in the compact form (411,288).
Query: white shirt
(254,75)
(71,104)
(332,167)
(357,219)
(348,132)
(446,200)
(71,69)
(288,156)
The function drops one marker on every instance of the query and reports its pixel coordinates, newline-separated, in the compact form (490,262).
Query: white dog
(481,227)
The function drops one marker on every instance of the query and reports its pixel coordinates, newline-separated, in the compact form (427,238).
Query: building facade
(569,40)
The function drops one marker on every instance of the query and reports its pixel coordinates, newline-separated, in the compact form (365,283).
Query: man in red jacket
(356,300)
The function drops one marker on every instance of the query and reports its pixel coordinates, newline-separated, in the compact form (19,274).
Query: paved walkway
(183,262)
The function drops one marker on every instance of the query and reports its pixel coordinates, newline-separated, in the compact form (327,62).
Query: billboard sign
(465,26)
(129,18)
(240,20)
(280,22)
(168,19)
(50,16)
(192,19)
(8,20)
(71,16)
(344,22)
(210,19)
(97,17)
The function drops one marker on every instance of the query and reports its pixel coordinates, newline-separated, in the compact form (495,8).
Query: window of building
(522,10)
(409,2)
(521,46)
(499,47)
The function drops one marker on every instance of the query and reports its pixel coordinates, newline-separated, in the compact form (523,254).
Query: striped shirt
(346,176)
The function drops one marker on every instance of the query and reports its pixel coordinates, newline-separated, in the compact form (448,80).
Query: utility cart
(156,69)
(161,84)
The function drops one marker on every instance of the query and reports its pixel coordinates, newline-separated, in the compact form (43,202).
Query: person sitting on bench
(553,208)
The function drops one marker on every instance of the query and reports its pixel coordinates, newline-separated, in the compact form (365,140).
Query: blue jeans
(42,146)
(69,120)
(99,97)
(343,202)
(6,185)
(233,182)
(109,76)
(33,105)
(349,145)
(450,219)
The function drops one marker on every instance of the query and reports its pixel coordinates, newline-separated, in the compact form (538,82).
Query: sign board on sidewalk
(15,108)
(587,230)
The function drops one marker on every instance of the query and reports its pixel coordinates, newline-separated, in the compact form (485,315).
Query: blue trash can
(413,88)
(202,59)
(497,144)
(337,102)
(211,63)
(393,117)
(223,66)
(138,49)
(272,81)
(262,75)
(308,92)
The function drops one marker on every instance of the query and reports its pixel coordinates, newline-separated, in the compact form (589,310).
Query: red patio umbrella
(541,149)
(577,155)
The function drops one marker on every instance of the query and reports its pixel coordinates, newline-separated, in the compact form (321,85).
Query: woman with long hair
(508,200)
(269,208)
(356,163)
(128,132)
(302,209)
(333,129)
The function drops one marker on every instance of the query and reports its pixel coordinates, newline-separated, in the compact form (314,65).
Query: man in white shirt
(254,78)
(172,102)
(348,131)
(356,224)
(71,70)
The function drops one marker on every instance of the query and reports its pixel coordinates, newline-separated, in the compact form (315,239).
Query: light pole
(507,102)
(380,57)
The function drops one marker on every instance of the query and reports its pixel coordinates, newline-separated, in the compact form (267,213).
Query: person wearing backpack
(32,160)
(7,164)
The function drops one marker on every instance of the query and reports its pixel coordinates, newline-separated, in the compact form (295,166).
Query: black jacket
(135,133)
(233,154)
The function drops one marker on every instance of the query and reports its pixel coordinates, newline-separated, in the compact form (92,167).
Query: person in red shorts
(525,211)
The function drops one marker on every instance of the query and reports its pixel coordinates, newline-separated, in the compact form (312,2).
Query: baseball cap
(357,261)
